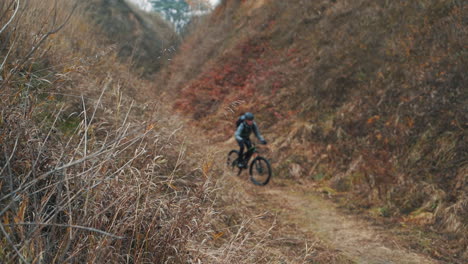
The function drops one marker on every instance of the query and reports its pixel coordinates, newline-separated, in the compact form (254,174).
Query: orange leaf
(218,235)
(149,127)
(373,119)
(410,122)
(172,186)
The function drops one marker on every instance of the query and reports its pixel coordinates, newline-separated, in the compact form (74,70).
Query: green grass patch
(68,125)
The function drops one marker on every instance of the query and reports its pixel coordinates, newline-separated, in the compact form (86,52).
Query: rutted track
(356,238)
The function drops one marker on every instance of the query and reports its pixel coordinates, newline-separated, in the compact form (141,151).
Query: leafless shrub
(373,83)
(101,192)
(88,174)
(84,179)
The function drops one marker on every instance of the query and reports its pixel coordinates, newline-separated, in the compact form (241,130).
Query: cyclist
(246,125)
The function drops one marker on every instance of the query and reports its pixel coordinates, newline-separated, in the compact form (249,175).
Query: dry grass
(93,172)
(142,39)
(90,173)
(246,229)
(370,91)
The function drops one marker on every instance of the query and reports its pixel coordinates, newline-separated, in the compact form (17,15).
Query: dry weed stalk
(86,180)
(77,184)
(375,85)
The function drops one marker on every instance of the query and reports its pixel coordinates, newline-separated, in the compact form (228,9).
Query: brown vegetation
(141,38)
(90,172)
(368,97)
(93,169)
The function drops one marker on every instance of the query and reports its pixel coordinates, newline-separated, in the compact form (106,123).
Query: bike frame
(261,167)
(251,153)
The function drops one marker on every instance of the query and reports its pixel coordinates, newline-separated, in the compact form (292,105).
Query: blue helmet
(249,116)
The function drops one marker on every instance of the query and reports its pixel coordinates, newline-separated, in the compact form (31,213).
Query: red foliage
(240,73)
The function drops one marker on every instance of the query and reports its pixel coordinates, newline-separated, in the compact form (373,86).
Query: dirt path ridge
(356,238)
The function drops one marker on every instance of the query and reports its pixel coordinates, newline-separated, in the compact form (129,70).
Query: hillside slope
(95,169)
(91,169)
(143,38)
(366,97)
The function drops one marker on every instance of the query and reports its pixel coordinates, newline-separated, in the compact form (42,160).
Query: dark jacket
(244,131)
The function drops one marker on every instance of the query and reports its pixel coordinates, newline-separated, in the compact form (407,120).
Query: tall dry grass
(95,169)
(365,97)
(87,174)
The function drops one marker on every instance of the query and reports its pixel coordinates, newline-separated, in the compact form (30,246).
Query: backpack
(240,120)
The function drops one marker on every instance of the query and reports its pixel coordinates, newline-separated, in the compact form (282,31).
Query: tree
(175,11)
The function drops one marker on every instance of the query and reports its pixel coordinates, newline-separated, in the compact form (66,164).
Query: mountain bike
(259,169)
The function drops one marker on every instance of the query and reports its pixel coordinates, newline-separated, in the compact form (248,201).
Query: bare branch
(12,244)
(12,17)
(6,9)
(73,226)
(38,44)
(11,156)
(98,153)
(6,58)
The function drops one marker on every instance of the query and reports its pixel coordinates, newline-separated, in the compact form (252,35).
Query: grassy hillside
(95,169)
(90,172)
(365,97)
(78,183)
(142,38)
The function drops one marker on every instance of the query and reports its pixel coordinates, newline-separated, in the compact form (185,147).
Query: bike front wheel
(260,171)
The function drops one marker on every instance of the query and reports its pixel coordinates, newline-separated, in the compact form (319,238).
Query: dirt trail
(357,239)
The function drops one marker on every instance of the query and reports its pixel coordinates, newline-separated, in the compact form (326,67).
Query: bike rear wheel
(260,171)
(233,160)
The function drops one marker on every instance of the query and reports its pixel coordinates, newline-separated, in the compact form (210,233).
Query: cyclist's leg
(248,144)
(242,158)
(241,150)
